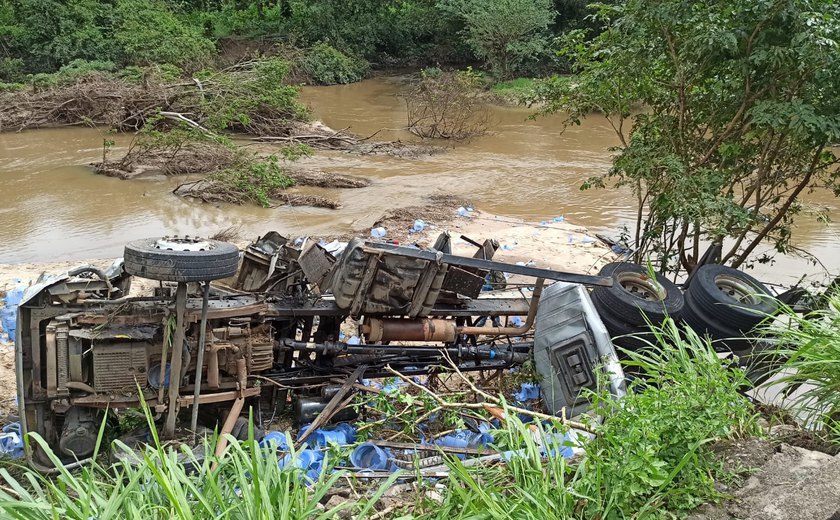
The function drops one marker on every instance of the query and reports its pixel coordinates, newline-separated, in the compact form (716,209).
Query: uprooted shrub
(326,65)
(231,173)
(447,105)
(168,148)
(250,98)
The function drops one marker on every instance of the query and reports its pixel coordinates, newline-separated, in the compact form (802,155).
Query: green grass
(808,353)
(517,90)
(247,484)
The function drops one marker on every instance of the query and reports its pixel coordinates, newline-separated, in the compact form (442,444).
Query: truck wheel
(636,296)
(725,338)
(622,334)
(729,298)
(181,259)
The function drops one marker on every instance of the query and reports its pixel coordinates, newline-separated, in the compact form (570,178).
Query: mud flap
(571,345)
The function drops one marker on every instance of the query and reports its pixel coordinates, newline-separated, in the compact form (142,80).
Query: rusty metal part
(515,353)
(213,375)
(219,397)
(52,358)
(227,427)
(334,405)
(535,272)
(199,363)
(397,329)
(327,308)
(511,331)
(78,385)
(317,264)
(95,270)
(177,360)
(235,410)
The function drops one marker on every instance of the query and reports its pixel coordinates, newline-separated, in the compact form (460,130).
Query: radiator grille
(119,366)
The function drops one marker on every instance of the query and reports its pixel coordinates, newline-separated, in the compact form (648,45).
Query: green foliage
(651,452)
(11,87)
(163,72)
(504,33)
(10,69)
(147,32)
(162,482)
(329,66)
(649,459)
(254,101)
(807,355)
(742,103)
(527,486)
(517,90)
(49,33)
(375,29)
(254,179)
(231,19)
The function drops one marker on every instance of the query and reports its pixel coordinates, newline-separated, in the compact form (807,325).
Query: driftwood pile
(92,100)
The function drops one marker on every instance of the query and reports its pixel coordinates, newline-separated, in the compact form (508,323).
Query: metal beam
(478,263)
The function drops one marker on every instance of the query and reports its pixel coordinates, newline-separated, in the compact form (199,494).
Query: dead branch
(495,400)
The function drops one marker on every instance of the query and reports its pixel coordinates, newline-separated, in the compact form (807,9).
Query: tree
(50,33)
(734,107)
(504,33)
(147,31)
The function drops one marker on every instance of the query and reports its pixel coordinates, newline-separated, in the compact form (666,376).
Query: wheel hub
(185,243)
(641,286)
(736,289)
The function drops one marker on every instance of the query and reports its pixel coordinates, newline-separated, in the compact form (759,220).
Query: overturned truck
(269,328)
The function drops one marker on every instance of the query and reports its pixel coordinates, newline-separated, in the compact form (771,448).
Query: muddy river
(53,207)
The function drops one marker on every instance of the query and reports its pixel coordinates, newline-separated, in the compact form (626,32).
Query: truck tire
(727,298)
(181,259)
(622,334)
(636,298)
(725,338)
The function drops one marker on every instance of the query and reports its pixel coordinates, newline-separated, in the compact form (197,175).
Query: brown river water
(52,207)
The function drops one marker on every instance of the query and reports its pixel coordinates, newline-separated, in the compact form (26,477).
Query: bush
(160,481)
(253,179)
(447,105)
(73,72)
(147,32)
(326,65)
(49,33)
(807,356)
(504,33)
(78,68)
(11,87)
(254,101)
(163,72)
(10,69)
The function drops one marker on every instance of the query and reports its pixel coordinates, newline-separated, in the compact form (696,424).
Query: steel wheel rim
(642,287)
(738,290)
(186,243)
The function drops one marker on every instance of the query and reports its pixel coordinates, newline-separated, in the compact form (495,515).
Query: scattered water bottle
(378,232)
(419,225)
